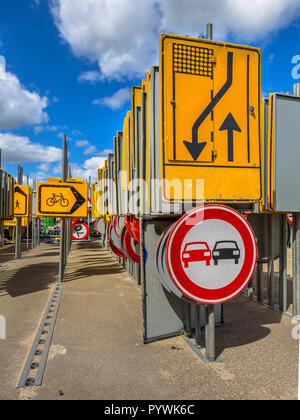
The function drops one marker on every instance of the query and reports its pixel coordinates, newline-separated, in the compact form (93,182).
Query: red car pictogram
(196,252)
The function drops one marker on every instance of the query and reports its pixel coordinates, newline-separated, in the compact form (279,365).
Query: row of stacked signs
(197,134)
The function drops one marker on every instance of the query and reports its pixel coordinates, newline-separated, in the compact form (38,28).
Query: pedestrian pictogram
(62,199)
(222,264)
(21,200)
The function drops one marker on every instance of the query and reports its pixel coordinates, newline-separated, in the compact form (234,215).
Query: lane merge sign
(21,200)
(211,254)
(62,200)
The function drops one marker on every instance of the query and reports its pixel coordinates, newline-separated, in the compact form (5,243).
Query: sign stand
(63,251)
(18,251)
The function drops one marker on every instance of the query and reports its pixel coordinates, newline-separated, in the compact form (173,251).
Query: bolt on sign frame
(210,99)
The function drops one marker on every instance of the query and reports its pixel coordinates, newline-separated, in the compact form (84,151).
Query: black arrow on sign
(194,147)
(230,125)
(79,200)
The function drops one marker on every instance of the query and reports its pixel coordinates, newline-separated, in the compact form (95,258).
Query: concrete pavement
(97,350)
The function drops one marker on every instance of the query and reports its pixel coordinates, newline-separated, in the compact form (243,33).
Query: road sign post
(21,207)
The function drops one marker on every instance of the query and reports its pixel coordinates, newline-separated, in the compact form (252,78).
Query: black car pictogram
(226,250)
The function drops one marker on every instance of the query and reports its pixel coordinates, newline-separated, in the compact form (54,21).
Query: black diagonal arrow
(195,148)
(230,125)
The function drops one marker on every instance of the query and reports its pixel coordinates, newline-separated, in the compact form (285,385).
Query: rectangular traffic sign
(13,222)
(21,200)
(61,200)
(210,117)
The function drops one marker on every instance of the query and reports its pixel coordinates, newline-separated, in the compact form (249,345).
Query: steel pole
(210,344)
(209,31)
(18,252)
(270,285)
(296,246)
(62,253)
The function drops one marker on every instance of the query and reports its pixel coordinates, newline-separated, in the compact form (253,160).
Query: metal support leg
(210,333)
(18,239)
(283,266)
(1,234)
(296,258)
(259,278)
(270,286)
(62,250)
(198,337)
(187,318)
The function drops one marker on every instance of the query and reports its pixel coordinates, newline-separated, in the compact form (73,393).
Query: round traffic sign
(211,254)
(80,231)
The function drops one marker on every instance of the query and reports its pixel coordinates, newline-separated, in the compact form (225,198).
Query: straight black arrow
(230,125)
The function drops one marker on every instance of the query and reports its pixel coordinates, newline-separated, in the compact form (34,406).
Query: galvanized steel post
(283,265)
(62,254)
(270,285)
(18,238)
(296,246)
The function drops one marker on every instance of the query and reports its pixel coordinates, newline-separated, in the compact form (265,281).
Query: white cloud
(40,128)
(45,167)
(82,143)
(90,77)
(16,149)
(90,150)
(19,106)
(88,168)
(116,101)
(122,35)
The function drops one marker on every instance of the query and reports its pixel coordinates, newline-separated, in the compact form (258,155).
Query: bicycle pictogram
(57,198)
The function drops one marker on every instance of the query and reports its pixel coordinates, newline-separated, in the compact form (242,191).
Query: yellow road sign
(210,117)
(95,198)
(61,200)
(70,180)
(21,200)
(13,222)
(136,100)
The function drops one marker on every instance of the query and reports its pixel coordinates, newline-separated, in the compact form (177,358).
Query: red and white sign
(290,218)
(211,254)
(80,231)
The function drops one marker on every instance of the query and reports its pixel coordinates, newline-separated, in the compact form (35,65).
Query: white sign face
(213,253)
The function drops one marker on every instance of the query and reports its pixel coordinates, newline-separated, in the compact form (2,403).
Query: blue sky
(70,63)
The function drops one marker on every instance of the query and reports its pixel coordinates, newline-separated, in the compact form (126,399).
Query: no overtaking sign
(211,254)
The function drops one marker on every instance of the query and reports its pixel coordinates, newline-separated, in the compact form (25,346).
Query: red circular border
(182,281)
(129,250)
(87,232)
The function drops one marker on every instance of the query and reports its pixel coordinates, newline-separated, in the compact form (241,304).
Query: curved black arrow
(194,147)
(230,125)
